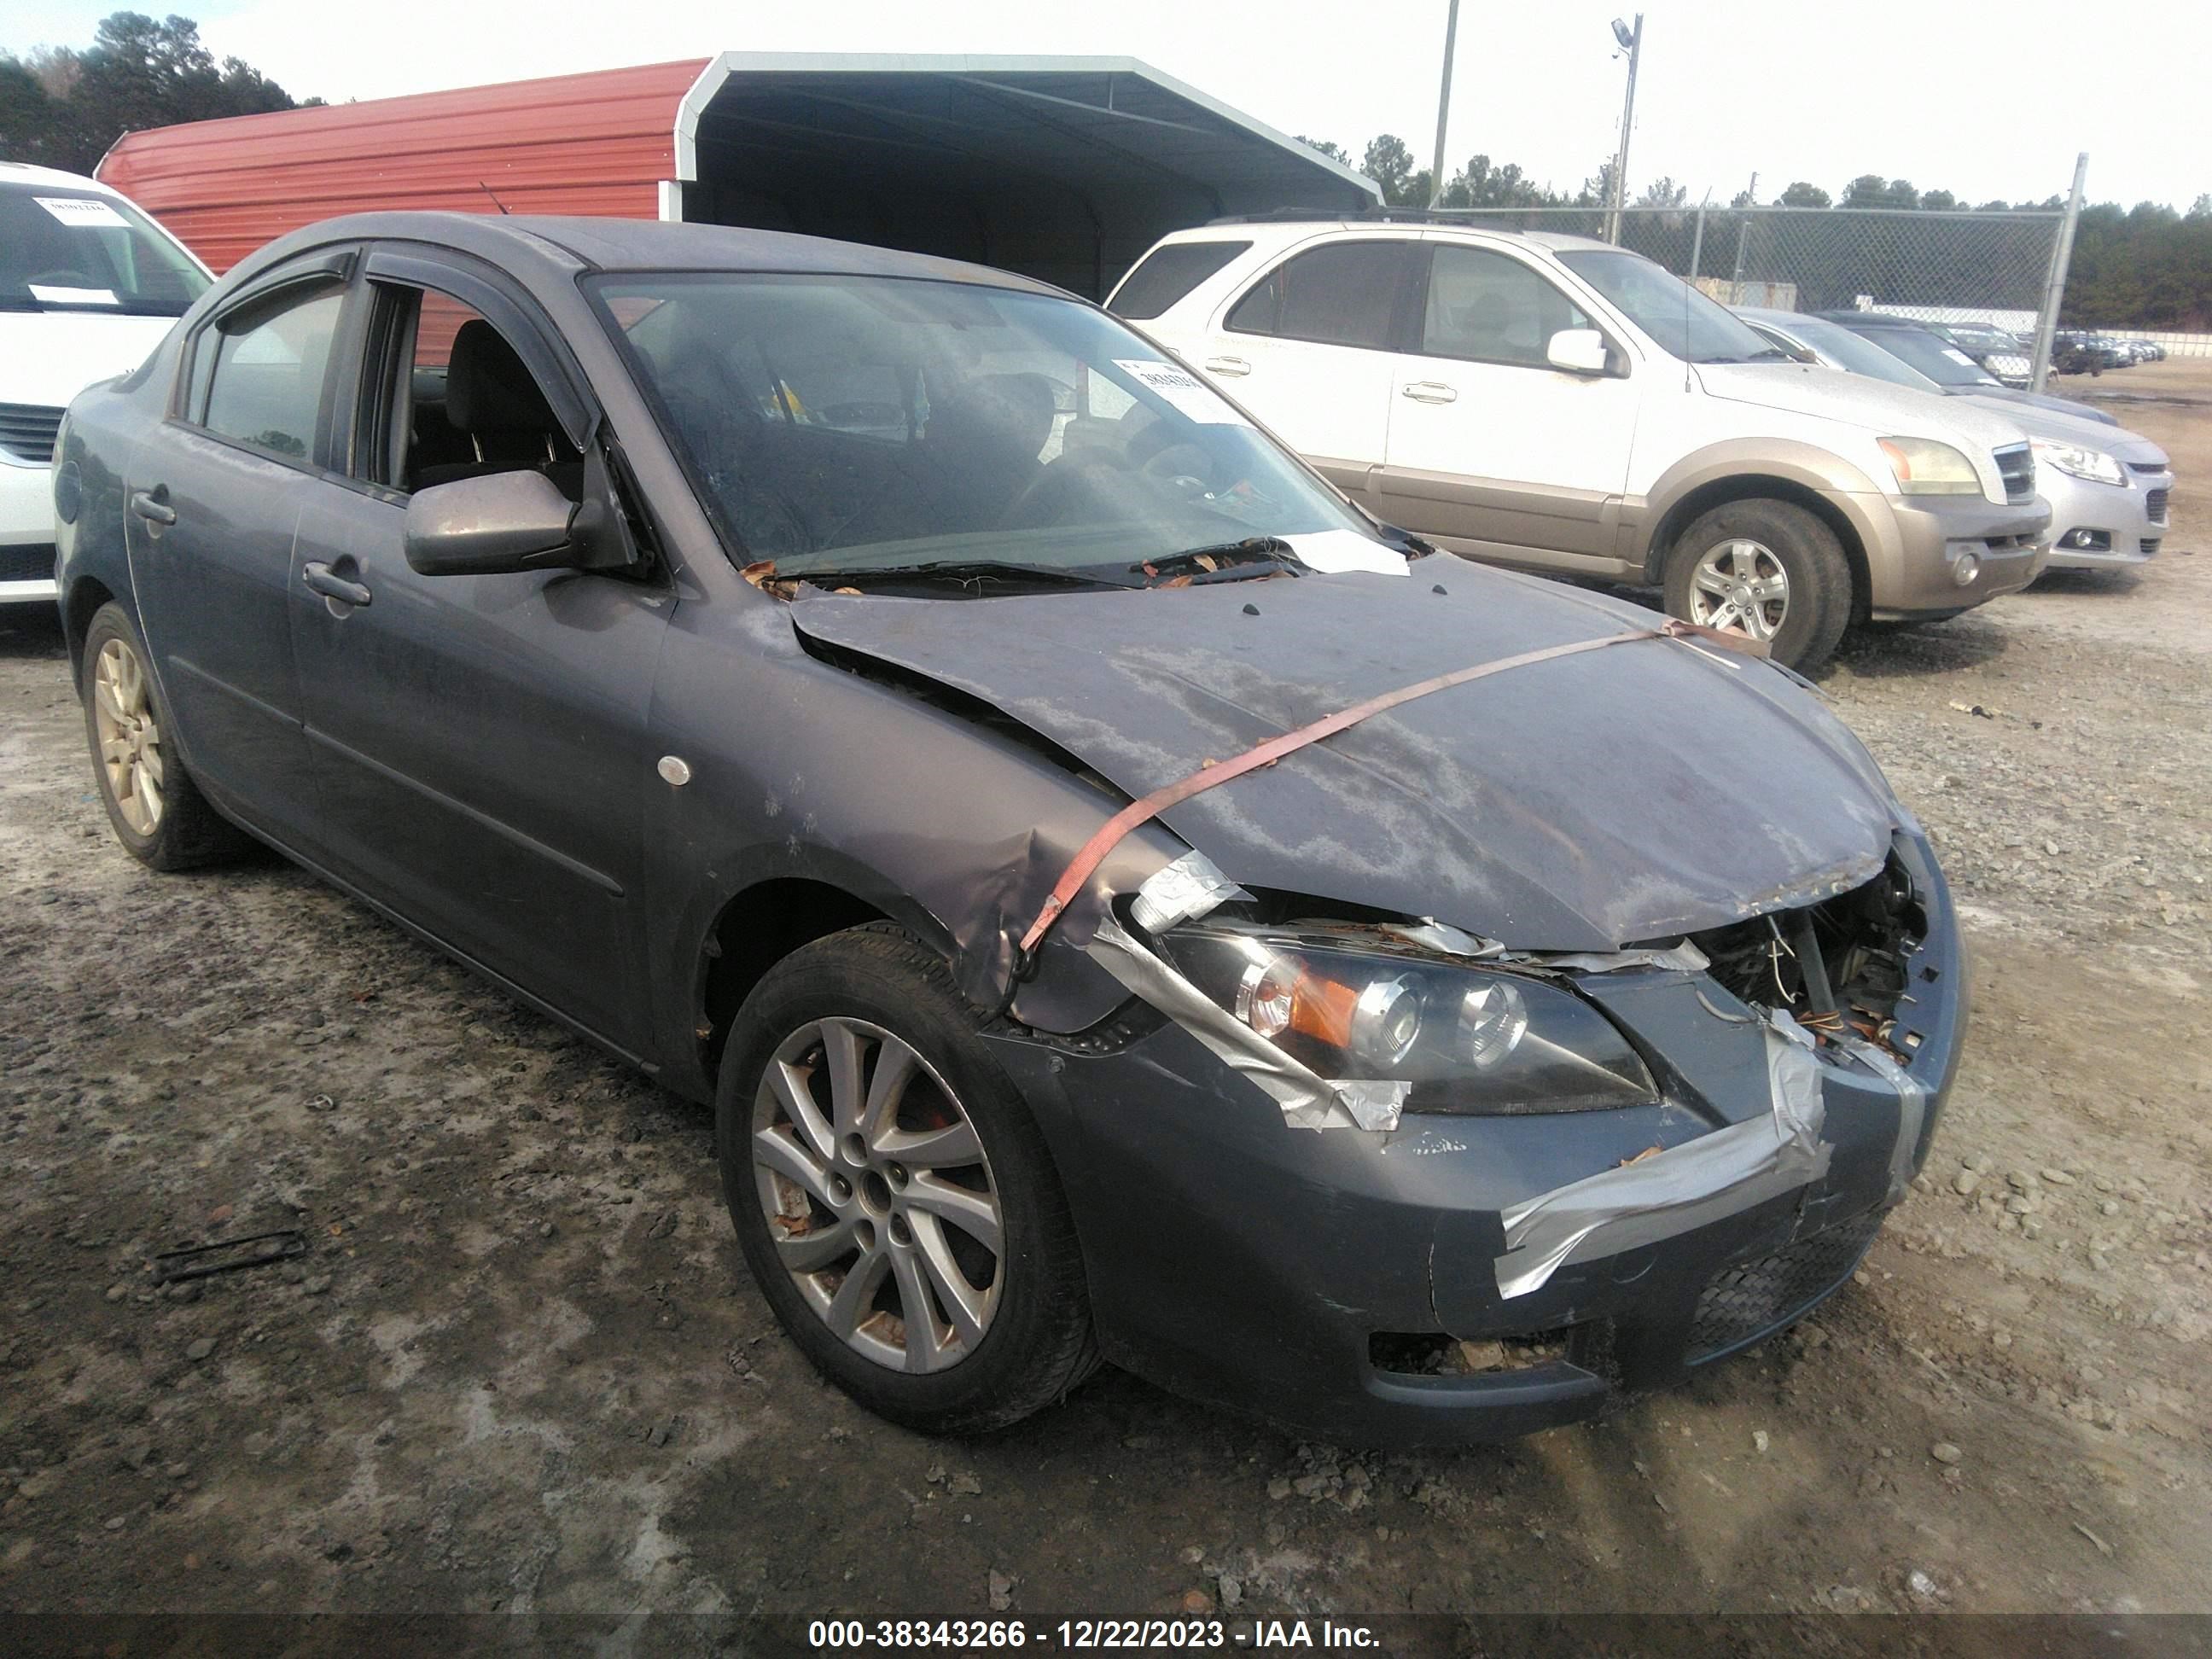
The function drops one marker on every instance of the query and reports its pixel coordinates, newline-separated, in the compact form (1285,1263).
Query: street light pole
(1443,105)
(1633,41)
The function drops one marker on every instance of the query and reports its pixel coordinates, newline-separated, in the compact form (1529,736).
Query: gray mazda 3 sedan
(1121,903)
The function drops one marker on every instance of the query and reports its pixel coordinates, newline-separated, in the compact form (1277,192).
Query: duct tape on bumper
(1683,1187)
(1912,1108)
(1309,1100)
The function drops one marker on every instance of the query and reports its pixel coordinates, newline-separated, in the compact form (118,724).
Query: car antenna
(495,202)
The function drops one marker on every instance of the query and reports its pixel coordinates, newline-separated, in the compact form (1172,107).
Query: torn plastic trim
(1308,1101)
(1191,887)
(1912,1106)
(1683,1187)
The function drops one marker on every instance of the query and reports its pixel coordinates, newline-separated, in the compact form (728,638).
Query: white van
(1562,405)
(89,285)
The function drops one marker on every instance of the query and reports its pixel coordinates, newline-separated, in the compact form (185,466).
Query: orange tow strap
(1214,772)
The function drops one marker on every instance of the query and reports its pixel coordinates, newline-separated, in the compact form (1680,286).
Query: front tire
(157,811)
(892,1195)
(1767,570)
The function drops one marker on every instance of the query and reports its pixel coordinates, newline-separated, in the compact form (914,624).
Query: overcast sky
(1983,99)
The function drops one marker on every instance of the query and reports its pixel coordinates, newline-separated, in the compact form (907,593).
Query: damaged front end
(1674,1149)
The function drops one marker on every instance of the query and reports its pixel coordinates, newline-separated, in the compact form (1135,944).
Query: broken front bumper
(1237,1259)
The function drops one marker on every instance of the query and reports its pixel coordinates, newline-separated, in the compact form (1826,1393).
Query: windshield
(1858,354)
(838,424)
(1676,316)
(1939,360)
(77,250)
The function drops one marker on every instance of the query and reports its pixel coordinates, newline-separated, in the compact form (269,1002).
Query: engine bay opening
(1837,967)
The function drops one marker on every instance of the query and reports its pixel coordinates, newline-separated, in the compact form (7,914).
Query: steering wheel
(1063,472)
(63,279)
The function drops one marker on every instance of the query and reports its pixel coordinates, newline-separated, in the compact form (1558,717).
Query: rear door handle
(1227,366)
(153,505)
(322,580)
(1430,391)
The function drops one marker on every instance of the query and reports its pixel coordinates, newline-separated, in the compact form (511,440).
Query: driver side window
(455,400)
(1486,307)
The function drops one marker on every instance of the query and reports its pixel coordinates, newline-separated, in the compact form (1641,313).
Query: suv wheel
(1767,570)
(893,1198)
(157,811)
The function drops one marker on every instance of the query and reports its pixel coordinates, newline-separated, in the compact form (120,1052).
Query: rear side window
(1344,294)
(1164,277)
(263,374)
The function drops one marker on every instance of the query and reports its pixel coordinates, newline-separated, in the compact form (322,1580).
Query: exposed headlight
(1924,467)
(1466,1039)
(2076,463)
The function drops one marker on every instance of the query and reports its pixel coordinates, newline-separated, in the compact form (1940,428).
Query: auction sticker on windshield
(85,210)
(1183,390)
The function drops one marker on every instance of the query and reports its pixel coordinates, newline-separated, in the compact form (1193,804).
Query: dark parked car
(1949,366)
(805,670)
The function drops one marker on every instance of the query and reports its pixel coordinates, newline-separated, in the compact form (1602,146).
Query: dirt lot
(522,1369)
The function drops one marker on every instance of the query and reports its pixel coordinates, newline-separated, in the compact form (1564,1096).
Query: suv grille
(33,564)
(1750,1298)
(2154,506)
(2016,466)
(27,431)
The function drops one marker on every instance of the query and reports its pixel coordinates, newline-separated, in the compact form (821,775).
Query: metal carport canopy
(1062,168)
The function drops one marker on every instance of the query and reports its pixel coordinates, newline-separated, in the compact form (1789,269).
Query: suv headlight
(1924,467)
(2078,463)
(1466,1039)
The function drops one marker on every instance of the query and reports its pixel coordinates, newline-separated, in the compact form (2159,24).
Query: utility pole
(2054,287)
(1443,105)
(1631,41)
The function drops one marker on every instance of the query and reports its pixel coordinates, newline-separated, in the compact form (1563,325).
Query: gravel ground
(520,1368)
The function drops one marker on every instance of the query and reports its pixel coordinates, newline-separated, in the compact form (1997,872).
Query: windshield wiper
(1771,351)
(955,570)
(1219,562)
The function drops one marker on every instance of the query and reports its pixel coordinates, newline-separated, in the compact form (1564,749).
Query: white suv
(1560,404)
(89,285)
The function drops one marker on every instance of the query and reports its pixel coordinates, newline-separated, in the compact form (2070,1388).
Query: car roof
(547,245)
(22,172)
(1872,319)
(1281,229)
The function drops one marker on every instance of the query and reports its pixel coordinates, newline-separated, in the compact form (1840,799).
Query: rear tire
(157,811)
(1768,570)
(942,1207)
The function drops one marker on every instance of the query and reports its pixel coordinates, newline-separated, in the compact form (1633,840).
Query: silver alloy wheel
(1741,586)
(879,1197)
(129,737)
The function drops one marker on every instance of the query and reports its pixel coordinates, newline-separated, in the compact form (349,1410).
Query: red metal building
(1064,169)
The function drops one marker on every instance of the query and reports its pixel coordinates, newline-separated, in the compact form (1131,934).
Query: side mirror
(1578,350)
(506,522)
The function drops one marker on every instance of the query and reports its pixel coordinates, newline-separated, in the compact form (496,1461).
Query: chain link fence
(1941,266)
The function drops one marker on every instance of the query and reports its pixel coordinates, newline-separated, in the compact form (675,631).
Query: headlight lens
(1924,467)
(2091,464)
(1466,1039)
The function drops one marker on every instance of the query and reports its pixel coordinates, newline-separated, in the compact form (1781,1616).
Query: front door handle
(1430,391)
(1227,366)
(321,579)
(153,505)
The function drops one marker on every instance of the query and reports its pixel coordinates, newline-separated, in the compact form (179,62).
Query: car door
(216,492)
(1490,447)
(480,741)
(1307,350)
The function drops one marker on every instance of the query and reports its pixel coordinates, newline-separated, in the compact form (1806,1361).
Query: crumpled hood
(1875,406)
(1630,794)
(49,357)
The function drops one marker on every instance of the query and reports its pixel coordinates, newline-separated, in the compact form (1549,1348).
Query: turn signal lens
(1266,994)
